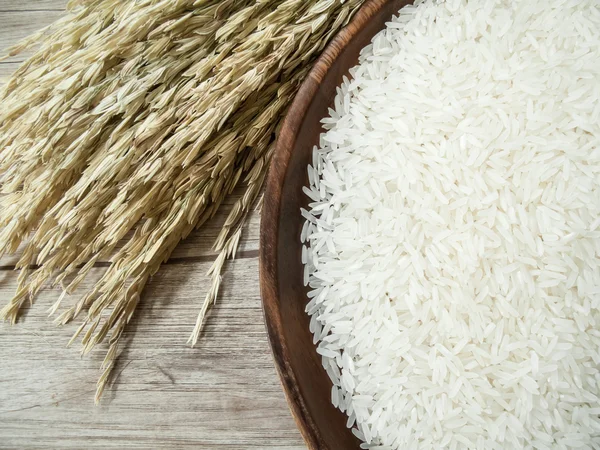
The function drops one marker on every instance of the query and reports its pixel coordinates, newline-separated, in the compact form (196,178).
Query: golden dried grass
(138,119)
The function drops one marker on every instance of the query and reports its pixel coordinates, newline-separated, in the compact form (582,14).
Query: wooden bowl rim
(269,228)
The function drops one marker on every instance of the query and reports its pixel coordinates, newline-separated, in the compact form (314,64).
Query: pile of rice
(452,241)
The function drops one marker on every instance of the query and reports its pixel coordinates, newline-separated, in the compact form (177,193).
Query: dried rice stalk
(142,117)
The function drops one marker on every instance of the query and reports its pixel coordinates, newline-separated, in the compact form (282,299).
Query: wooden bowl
(306,384)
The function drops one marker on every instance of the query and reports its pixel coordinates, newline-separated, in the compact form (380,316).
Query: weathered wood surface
(222,394)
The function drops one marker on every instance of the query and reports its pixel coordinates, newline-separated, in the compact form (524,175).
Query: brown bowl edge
(269,228)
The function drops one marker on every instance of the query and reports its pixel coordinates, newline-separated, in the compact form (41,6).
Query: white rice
(453,231)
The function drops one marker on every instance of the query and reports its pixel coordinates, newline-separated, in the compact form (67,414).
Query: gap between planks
(248,254)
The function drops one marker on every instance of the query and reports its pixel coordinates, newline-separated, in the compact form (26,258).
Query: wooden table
(222,394)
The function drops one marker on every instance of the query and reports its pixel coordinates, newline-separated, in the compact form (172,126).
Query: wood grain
(35,5)
(223,394)
(307,386)
(16,25)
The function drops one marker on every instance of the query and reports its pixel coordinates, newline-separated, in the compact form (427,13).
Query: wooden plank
(222,394)
(20,24)
(18,21)
(36,5)
(6,69)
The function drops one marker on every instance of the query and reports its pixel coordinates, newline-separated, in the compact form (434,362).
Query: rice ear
(127,128)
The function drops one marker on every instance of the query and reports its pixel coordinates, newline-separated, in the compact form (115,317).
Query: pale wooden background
(222,394)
